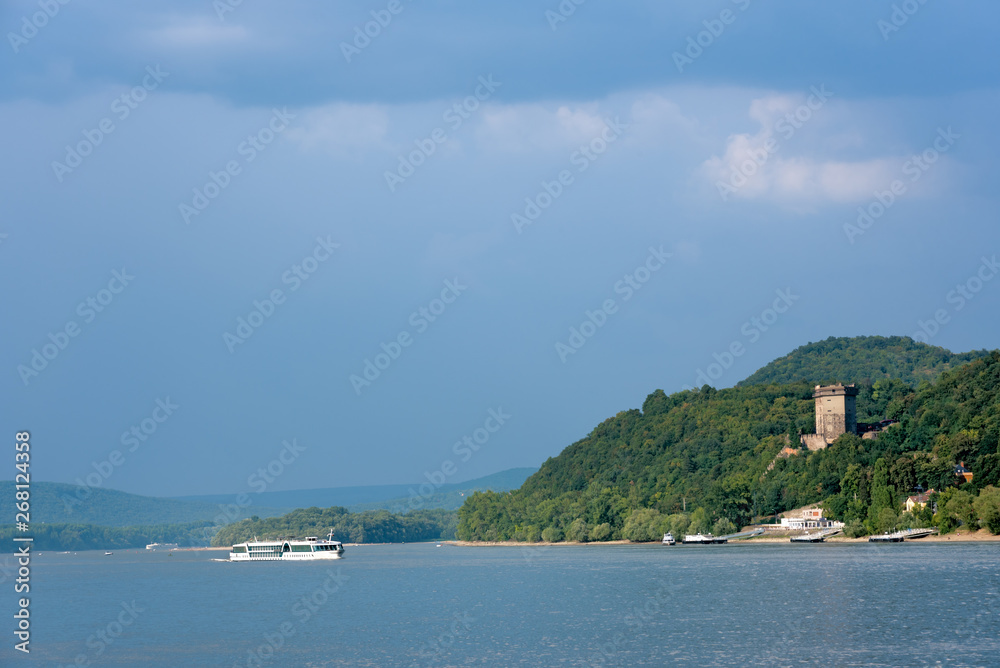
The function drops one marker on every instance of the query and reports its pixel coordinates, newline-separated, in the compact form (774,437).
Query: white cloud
(343,129)
(765,165)
(195,32)
(654,117)
(521,128)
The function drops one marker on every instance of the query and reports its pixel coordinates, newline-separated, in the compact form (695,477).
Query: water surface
(909,604)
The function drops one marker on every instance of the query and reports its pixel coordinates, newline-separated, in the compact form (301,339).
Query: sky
(394,242)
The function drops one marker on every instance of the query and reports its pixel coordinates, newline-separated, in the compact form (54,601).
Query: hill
(58,503)
(862,360)
(715,455)
(393,497)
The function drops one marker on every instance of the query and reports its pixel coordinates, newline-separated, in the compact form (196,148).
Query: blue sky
(607,171)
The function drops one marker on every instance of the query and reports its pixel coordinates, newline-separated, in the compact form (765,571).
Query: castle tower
(835,410)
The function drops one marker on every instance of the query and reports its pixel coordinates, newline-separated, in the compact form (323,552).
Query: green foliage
(717,452)
(378,526)
(73,537)
(601,532)
(884,520)
(855,529)
(955,508)
(863,360)
(700,522)
(552,535)
(882,494)
(723,527)
(642,525)
(987,507)
(678,524)
(577,531)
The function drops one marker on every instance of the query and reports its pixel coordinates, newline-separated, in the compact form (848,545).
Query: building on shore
(810,518)
(917,501)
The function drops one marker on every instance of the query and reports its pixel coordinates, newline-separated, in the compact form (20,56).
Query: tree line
(378,526)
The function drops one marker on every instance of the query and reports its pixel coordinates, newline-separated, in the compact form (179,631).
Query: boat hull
(287,556)
(292,549)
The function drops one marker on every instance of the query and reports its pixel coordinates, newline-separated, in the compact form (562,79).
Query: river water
(910,604)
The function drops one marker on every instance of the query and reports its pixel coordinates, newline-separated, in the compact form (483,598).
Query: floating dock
(900,536)
(817,537)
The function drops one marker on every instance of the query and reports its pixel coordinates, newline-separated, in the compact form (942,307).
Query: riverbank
(981,536)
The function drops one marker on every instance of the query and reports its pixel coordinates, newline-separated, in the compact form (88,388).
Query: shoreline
(981,536)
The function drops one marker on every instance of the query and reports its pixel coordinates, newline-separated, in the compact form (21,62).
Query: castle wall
(814,441)
(836,411)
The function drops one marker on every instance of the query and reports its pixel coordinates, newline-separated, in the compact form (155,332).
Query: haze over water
(404,605)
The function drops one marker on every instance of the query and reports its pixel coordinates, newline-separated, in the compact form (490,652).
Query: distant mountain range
(373,497)
(58,503)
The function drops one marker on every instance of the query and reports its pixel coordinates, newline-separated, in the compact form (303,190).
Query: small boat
(702,539)
(668,539)
(108,554)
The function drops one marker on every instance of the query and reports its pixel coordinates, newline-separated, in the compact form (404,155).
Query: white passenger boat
(702,539)
(294,549)
(668,539)
(162,546)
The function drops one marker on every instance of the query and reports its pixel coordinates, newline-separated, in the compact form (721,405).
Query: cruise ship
(294,549)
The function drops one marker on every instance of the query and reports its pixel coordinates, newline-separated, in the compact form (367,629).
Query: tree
(601,532)
(987,471)
(882,494)
(886,520)
(700,522)
(954,508)
(903,475)
(987,507)
(723,527)
(577,530)
(855,529)
(642,525)
(678,524)
(552,534)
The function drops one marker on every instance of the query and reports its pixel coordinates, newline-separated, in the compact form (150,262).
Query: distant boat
(108,554)
(668,539)
(162,546)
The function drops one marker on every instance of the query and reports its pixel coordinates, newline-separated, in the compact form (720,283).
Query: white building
(811,518)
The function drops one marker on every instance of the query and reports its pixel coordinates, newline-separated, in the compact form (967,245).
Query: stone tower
(835,410)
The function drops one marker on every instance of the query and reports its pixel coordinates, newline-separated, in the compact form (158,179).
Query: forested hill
(863,360)
(712,452)
(58,503)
